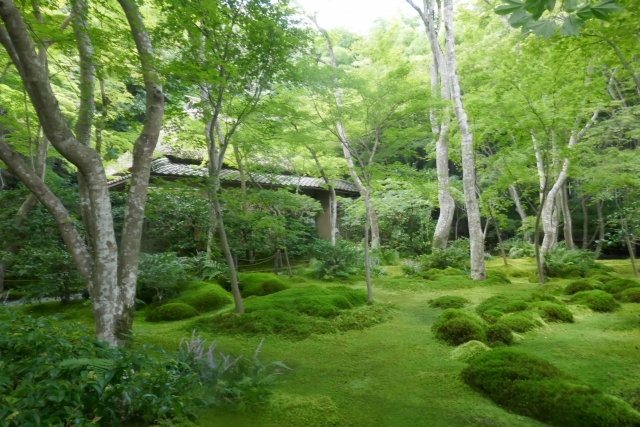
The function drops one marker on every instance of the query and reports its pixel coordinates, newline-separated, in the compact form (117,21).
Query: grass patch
(534,387)
(448,301)
(171,312)
(78,311)
(596,300)
(204,296)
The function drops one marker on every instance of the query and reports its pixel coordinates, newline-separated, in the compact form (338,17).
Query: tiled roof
(167,168)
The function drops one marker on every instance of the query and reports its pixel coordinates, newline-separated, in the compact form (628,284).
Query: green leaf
(519,18)
(506,9)
(571,26)
(551,4)
(604,8)
(543,27)
(584,12)
(569,5)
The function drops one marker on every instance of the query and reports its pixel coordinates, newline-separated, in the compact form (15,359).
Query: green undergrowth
(77,311)
(618,285)
(531,386)
(446,280)
(298,313)
(171,312)
(629,295)
(256,284)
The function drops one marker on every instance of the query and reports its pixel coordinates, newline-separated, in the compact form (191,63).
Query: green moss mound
(618,285)
(298,313)
(503,304)
(629,295)
(496,277)
(543,296)
(602,277)
(456,327)
(535,388)
(171,312)
(469,350)
(579,286)
(260,284)
(553,312)
(448,301)
(492,316)
(499,334)
(204,297)
(433,273)
(596,300)
(520,322)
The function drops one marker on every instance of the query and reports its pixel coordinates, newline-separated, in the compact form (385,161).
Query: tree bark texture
(567,224)
(468,166)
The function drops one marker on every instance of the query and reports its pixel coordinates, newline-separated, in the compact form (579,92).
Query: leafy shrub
(533,387)
(386,256)
(553,312)
(204,296)
(519,248)
(467,351)
(455,256)
(569,263)
(260,284)
(619,285)
(171,312)
(56,374)
(629,295)
(520,322)
(596,300)
(300,312)
(456,327)
(159,275)
(342,260)
(410,267)
(491,316)
(578,286)
(448,301)
(499,334)
(204,267)
(503,304)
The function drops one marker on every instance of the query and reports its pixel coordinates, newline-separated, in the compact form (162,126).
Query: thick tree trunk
(468,165)
(566,217)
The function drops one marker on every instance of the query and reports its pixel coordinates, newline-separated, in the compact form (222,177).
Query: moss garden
(434,351)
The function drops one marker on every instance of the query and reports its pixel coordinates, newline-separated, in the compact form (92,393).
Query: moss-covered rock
(579,286)
(448,301)
(499,334)
(456,327)
(533,387)
(467,351)
(503,304)
(629,295)
(596,300)
(618,285)
(204,296)
(553,312)
(520,322)
(171,312)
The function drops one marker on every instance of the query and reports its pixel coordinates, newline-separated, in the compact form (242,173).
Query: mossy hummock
(448,301)
(456,327)
(171,312)
(553,312)
(596,300)
(204,296)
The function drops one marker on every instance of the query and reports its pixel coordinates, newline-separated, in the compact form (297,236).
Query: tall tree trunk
(103,117)
(601,225)
(468,167)
(367,258)
(566,217)
(585,223)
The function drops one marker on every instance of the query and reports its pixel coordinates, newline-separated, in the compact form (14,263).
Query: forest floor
(398,374)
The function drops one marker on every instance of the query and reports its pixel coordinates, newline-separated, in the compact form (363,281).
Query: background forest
(484,150)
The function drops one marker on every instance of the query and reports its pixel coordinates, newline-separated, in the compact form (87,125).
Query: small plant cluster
(519,248)
(601,295)
(298,313)
(340,261)
(456,255)
(54,374)
(533,387)
(572,263)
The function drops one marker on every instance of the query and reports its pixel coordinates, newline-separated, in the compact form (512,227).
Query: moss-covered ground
(397,373)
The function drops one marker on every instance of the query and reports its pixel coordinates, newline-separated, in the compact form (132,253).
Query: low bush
(448,301)
(171,312)
(300,312)
(260,284)
(520,322)
(499,334)
(467,351)
(596,300)
(54,374)
(518,248)
(569,263)
(578,286)
(503,304)
(386,256)
(553,312)
(456,327)
(491,316)
(533,387)
(618,285)
(629,295)
(204,296)
(340,261)
(455,256)
(159,276)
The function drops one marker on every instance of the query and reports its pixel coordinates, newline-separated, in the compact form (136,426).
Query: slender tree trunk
(286,258)
(566,216)
(486,229)
(468,166)
(367,259)
(601,225)
(632,256)
(103,118)
(585,223)
(333,199)
(504,255)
